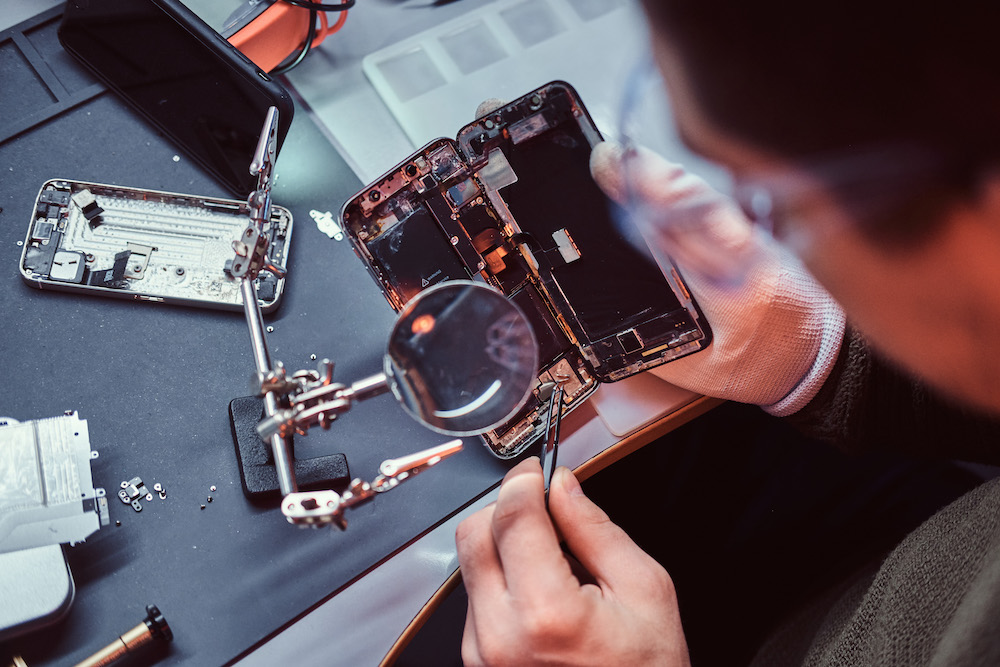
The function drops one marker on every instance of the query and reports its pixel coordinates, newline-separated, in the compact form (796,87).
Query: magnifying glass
(461,359)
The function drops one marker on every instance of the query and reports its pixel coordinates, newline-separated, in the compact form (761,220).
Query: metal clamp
(251,247)
(320,508)
(312,398)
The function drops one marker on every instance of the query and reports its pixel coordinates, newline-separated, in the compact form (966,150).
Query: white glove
(776,335)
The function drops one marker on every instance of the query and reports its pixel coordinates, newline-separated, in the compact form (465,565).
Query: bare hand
(527,607)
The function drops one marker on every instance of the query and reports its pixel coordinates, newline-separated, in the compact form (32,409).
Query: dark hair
(803,79)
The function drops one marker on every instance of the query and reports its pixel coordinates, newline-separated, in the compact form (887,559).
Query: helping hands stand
(308,398)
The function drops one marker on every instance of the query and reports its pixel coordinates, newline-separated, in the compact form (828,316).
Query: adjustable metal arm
(251,247)
(314,402)
(327,507)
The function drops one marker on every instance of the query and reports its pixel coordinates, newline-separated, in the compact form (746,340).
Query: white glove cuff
(832,323)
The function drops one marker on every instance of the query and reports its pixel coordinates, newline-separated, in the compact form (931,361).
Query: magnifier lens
(462,358)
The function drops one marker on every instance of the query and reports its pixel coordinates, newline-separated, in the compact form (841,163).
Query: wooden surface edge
(647,434)
(411,630)
(616,452)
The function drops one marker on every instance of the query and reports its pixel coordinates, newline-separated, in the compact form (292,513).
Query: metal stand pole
(281,447)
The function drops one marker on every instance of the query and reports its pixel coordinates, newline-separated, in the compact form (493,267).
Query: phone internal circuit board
(429,221)
(145,245)
(626,313)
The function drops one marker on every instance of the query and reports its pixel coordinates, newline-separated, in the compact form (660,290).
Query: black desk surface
(154,383)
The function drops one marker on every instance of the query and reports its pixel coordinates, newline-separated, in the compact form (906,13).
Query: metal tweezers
(550,441)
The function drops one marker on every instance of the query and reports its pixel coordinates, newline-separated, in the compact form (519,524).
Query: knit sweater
(935,598)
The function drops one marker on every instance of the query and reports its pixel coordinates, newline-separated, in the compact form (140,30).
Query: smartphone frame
(449,211)
(177,245)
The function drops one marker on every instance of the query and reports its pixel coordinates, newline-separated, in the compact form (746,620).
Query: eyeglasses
(853,188)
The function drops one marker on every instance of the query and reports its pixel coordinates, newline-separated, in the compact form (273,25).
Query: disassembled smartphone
(512,203)
(145,245)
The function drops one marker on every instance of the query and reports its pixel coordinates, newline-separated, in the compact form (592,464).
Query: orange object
(278,32)
(337,25)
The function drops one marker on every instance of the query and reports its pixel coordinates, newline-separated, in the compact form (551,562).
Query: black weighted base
(257,472)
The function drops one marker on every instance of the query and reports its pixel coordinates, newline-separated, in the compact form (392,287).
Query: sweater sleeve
(867,404)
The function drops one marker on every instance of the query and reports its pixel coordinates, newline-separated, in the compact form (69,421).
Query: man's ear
(988,199)
(971,225)
(982,208)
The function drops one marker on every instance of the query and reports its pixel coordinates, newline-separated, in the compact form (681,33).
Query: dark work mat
(155,381)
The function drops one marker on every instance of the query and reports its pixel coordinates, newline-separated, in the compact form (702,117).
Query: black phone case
(105,34)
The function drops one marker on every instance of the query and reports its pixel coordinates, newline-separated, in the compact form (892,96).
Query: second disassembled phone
(145,245)
(512,204)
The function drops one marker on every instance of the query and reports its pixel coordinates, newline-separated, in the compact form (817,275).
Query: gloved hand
(527,607)
(776,334)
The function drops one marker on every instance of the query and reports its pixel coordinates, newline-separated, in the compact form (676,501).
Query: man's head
(802,78)
(780,86)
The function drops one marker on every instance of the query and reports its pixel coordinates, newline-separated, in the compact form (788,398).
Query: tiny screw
(179,270)
(163,495)
(270,330)
(20,243)
(454,240)
(118,523)
(210,499)
(212,488)
(489,124)
(203,507)
(374,195)
(313,357)
(124,484)
(157,487)
(137,269)
(149,496)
